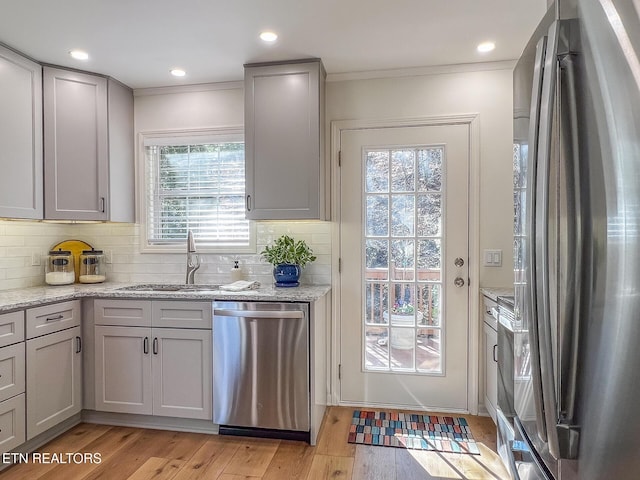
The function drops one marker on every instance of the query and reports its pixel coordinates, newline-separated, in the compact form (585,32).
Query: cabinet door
(182,373)
(54,379)
(75,145)
(12,417)
(123,369)
(20,136)
(490,370)
(12,371)
(284,173)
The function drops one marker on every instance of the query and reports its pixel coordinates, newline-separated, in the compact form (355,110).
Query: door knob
(458,262)
(459,282)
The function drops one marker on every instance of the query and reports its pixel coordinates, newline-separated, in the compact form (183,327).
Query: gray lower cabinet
(284,141)
(88,137)
(123,369)
(12,381)
(153,370)
(54,379)
(20,136)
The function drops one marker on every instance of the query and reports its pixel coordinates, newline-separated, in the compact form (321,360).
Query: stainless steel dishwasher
(261,369)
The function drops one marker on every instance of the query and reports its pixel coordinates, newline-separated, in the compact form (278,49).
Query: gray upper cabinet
(20,136)
(284,140)
(88,136)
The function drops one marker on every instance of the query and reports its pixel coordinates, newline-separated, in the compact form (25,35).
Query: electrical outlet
(108,256)
(493,258)
(36,259)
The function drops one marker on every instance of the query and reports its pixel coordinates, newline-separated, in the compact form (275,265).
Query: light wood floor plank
(334,433)
(374,463)
(107,445)
(152,443)
(291,460)
(72,441)
(157,469)
(329,466)
(210,460)
(252,458)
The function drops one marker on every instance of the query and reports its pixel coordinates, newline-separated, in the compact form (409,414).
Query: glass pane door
(403,238)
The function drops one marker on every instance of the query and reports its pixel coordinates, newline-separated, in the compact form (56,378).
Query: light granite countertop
(493,293)
(36,296)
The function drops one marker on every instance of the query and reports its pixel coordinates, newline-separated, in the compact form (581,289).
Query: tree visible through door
(403,322)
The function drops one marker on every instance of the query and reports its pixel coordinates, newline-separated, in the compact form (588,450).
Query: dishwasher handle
(259,313)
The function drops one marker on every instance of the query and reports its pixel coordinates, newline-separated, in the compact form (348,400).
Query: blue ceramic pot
(286,275)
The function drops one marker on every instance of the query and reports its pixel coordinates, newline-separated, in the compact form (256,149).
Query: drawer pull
(52,319)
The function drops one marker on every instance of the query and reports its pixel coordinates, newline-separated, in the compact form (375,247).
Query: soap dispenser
(236,272)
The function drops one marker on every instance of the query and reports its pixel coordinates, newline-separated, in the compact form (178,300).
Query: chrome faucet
(193,260)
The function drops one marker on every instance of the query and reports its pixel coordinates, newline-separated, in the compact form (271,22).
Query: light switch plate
(493,258)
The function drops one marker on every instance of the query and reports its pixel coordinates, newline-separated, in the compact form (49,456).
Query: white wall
(487,93)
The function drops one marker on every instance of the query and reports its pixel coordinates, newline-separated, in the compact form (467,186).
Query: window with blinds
(197,184)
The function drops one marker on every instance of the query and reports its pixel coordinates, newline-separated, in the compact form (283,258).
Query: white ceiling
(138,41)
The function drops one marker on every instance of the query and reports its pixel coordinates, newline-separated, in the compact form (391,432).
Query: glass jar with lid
(92,266)
(59,269)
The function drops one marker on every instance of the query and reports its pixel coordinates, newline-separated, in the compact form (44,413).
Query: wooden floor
(139,454)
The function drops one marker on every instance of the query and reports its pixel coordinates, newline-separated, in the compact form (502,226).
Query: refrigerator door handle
(542,240)
(572,266)
(531,300)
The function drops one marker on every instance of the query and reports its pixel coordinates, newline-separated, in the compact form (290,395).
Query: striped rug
(414,431)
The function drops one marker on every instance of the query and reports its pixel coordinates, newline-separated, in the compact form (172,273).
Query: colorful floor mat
(414,431)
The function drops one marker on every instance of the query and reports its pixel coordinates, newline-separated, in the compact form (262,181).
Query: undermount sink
(168,287)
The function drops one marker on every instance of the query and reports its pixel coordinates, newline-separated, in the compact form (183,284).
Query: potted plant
(288,257)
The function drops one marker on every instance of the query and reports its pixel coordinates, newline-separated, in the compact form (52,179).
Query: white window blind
(198,187)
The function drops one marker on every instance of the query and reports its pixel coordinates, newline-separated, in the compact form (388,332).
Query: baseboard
(149,421)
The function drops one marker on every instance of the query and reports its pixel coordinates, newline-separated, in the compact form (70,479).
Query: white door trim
(473,122)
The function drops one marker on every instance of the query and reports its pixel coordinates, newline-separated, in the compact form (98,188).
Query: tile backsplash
(24,243)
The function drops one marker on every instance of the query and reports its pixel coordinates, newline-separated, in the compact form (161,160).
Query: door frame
(473,123)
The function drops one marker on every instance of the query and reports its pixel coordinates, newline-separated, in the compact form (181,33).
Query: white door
(404,266)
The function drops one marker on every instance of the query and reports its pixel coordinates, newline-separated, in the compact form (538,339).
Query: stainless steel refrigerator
(577,244)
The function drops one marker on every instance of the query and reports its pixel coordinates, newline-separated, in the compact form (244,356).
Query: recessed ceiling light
(79,54)
(268,36)
(177,72)
(485,47)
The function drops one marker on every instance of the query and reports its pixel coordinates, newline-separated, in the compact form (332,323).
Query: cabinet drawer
(182,314)
(130,313)
(12,373)
(12,423)
(52,318)
(11,328)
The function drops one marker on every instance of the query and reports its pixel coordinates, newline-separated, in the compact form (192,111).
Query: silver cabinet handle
(53,319)
(495,353)
(258,314)
(145,345)
(78,344)
(102,204)
(248,203)
(155,346)
(459,282)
